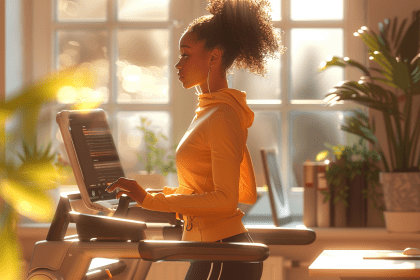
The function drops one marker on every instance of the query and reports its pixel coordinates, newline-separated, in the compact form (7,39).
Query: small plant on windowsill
(347,163)
(156,158)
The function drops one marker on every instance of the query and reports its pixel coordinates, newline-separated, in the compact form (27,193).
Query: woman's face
(194,61)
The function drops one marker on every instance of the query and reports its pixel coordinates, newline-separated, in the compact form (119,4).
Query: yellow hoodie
(215,170)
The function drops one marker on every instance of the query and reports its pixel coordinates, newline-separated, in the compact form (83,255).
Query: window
(290,114)
(133,46)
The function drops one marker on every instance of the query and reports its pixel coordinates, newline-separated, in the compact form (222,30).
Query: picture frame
(278,197)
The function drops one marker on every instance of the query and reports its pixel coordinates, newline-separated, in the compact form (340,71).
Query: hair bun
(245,31)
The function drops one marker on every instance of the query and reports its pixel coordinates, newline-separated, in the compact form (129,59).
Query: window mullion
(113,107)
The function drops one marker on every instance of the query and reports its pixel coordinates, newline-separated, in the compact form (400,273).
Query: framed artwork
(279,202)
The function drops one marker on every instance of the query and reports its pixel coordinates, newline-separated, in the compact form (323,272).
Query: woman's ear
(216,55)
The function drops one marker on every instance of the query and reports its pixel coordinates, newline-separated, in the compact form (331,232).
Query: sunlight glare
(67,95)
(334,101)
(317,10)
(329,98)
(134,138)
(144,10)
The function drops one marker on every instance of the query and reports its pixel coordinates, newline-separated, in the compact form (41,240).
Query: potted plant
(26,179)
(392,88)
(157,163)
(352,176)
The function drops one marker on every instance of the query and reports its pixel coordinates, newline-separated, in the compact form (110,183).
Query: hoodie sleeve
(224,136)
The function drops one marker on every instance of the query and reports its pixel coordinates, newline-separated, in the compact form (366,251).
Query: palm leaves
(396,79)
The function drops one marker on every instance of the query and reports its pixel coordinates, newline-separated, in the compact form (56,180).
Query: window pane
(143,10)
(276,10)
(316,10)
(142,66)
(257,87)
(309,132)
(263,134)
(131,139)
(81,10)
(311,46)
(77,47)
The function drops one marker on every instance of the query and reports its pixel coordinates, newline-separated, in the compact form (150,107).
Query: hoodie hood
(232,97)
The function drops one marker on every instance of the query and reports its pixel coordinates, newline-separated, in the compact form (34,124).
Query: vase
(401,191)
(149,180)
(402,201)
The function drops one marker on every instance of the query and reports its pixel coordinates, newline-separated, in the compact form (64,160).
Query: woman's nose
(177,65)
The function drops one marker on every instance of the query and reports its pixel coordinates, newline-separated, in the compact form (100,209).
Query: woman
(214,166)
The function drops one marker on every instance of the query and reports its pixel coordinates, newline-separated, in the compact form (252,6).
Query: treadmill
(125,243)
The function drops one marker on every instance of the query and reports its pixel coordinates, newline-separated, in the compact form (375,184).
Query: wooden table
(351,265)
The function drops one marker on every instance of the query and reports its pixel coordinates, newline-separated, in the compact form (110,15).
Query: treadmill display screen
(96,153)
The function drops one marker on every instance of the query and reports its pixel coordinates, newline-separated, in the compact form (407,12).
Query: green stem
(397,121)
(381,153)
(407,121)
(391,140)
(415,141)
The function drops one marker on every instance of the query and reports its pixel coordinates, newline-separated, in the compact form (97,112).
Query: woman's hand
(129,187)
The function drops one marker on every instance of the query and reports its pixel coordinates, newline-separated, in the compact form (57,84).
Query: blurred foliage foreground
(27,176)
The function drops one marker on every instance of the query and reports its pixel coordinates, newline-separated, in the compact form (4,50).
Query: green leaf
(10,256)
(322,155)
(359,66)
(334,61)
(31,202)
(42,174)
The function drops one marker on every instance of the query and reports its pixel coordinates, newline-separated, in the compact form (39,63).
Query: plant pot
(402,201)
(402,222)
(401,191)
(149,181)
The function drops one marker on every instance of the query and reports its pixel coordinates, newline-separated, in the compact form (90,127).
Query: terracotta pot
(401,191)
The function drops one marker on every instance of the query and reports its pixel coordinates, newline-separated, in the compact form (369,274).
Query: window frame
(45,51)
(354,17)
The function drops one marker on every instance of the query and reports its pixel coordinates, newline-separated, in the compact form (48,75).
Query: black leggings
(228,270)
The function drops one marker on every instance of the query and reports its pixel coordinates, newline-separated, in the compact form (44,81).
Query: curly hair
(243,30)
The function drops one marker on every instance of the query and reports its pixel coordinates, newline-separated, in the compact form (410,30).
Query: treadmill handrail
(282,236)
(160,250)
